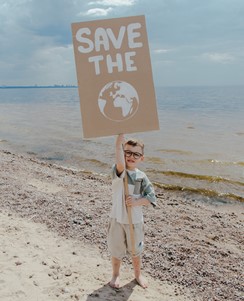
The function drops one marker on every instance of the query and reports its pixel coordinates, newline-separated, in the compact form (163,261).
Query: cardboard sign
(114,76)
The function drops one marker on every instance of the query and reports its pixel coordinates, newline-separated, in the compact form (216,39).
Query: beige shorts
(119,241)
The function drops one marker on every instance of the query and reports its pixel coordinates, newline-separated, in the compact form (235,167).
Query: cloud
(46,60)
(218,57)
(159,51)
(98,12)
(114,2)
(36,38)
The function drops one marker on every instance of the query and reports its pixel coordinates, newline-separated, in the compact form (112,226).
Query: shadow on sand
(109,294)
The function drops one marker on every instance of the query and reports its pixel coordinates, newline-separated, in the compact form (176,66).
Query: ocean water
(198,149)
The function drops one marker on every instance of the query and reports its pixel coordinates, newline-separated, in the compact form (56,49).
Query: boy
(141,193)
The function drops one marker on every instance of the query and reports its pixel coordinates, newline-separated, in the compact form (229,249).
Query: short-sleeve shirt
(139,186)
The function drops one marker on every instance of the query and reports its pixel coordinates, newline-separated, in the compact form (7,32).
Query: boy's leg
(117,248)
(115,277)
(136,261)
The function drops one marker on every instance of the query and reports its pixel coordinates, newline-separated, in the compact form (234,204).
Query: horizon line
(37,86)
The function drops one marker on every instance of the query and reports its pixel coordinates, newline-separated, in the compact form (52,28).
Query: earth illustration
(118,101)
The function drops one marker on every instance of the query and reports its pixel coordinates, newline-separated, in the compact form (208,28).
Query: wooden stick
(132,236)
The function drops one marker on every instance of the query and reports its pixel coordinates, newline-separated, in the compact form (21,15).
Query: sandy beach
(53,240)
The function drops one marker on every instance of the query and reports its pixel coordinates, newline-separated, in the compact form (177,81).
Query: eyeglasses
(129,153)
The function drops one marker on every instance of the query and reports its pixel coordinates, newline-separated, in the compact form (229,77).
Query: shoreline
(199,194)
(199,245)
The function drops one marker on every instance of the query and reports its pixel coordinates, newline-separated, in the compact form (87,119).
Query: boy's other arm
(130,201)
(119,154)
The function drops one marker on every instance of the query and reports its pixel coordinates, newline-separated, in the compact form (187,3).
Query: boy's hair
(135,142)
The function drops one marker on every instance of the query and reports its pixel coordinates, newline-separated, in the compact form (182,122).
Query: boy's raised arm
(119,153)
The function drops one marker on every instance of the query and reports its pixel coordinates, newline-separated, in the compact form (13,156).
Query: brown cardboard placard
(114,75)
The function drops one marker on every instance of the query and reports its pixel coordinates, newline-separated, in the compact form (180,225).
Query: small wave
(220,162)
(175,151)
(205,192)
(97,162)
(216,161)
(154,160)
(211,179)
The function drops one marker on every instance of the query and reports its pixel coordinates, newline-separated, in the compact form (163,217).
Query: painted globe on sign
(118,101)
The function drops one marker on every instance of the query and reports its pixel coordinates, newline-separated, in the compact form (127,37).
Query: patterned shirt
(139,186)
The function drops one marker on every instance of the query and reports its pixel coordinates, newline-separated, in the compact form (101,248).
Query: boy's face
(133,156)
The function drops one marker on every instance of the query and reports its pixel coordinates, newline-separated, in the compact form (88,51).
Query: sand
(53,240)
(37,264)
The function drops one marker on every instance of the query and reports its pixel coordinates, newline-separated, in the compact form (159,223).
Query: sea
(199,149)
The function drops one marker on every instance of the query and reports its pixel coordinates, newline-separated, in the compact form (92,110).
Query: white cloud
(53,65)
(218,57)
(159,51)
(114,2)
(98,11)
(35,38)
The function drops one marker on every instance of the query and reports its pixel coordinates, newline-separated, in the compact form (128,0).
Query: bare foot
(142,281)
(114,283)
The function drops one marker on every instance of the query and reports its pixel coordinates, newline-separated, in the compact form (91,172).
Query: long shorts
(119,241)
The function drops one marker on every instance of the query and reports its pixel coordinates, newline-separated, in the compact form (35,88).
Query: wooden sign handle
(132,236)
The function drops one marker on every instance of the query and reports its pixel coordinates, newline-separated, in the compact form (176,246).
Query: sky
(192,42)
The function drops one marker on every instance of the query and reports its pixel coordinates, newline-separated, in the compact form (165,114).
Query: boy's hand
(131,201)
(120,140)
(119,153)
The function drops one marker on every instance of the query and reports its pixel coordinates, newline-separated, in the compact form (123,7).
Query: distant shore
(38,87)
